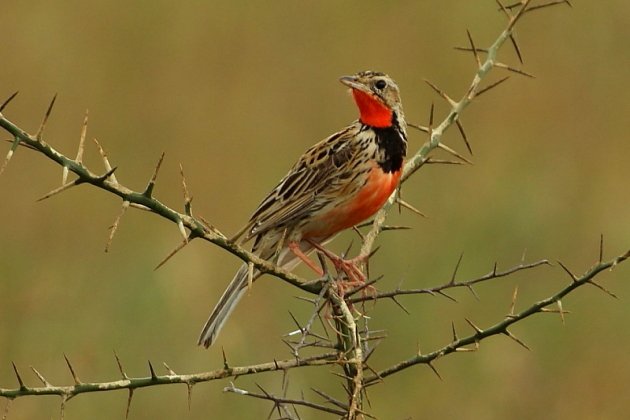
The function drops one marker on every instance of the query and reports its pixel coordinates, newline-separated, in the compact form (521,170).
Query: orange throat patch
(373,112)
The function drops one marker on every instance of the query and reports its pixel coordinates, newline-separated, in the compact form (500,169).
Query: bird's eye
(380,85)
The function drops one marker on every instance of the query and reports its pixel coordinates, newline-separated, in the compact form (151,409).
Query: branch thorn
(250,276)
(169,371)
(172,253)
(513,305)
(560,310)
(79,157)
(516,47)
(182,230)
(114,227)
(440,92)
(42,126)
(189,385)
(476,328)
(14,145)
(453,152)
(400,305)
(430,364)
(76,379)
(514,70)
(455,337)
(149,190)
(152,371)
(9,99)
(187,198)
(120,367)
(564,267)
(226,366)
(129,398)
(459,261)
(107,174)
(419,127)
(108,166)
(58,190)
(473,48)
(491,86)
(64,174)
(602,288)
(19,378)
(408,206)
(460,127)
(513,337)
(473,292)
(41,377)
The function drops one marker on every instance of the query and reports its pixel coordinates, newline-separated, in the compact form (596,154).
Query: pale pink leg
(347,266)
(295,248)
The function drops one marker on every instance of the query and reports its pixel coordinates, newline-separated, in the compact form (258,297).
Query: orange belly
(358,208)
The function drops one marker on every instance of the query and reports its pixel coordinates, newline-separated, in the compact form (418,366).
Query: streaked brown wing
(308,186)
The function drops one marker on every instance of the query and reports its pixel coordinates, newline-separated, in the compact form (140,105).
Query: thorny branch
(459,344)
(350,345)
(280,402)
(131,384)
(451,284)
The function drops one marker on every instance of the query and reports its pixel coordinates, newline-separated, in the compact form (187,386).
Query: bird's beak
(353,83)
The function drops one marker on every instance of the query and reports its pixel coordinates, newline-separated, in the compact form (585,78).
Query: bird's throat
(373,112)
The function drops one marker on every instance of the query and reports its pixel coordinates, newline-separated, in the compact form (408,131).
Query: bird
(336,184)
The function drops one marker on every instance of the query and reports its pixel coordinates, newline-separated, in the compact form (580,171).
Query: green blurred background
(235,91)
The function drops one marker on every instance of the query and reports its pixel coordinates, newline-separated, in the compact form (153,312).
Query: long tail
(223,309)
(238,286)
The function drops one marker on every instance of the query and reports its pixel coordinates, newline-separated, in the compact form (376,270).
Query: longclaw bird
(336,184)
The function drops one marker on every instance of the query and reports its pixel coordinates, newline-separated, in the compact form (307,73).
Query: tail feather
(223,309)
(238,286)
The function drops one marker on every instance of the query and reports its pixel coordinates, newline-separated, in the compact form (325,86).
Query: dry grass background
(236,91)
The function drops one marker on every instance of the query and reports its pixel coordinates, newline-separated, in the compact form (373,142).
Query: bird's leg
(297,251)
(349,267)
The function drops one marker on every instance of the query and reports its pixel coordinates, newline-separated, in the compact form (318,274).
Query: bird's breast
(373,191)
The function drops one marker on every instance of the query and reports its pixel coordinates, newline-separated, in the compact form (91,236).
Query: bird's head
(377,97)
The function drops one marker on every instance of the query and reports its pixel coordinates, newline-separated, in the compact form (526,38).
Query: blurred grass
(236,92)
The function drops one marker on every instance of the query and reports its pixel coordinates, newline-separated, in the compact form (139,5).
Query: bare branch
(452,284)
(281,400)
(141,382)
(500,327)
